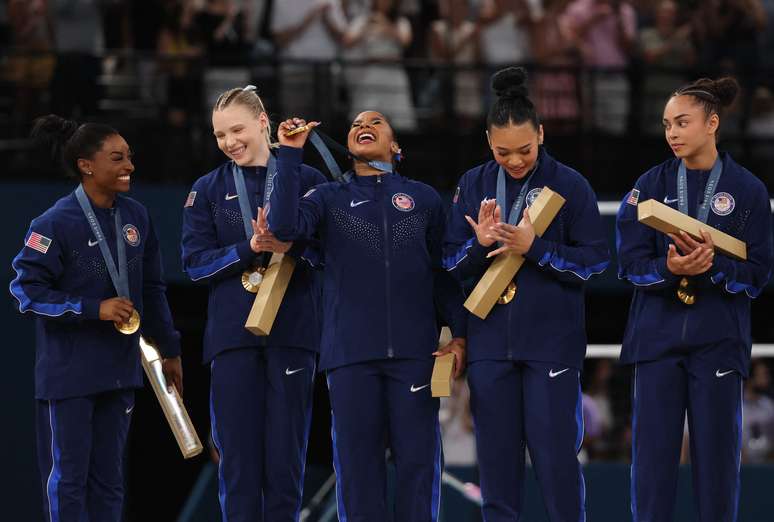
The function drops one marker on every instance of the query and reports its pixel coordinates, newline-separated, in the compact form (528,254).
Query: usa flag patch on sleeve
(38,242)
(634,197)
(190,200)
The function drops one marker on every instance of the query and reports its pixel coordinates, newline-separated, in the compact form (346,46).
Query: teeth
(366,135)
(124,178)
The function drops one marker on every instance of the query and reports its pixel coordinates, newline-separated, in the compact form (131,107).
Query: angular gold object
(252,279)
(298,130)
(130,326)
(685,292)
(508,295)
(443,375)
(171,403)
(270,294)
(670,221)
(503,269)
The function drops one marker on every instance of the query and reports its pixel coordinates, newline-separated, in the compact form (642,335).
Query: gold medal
(298,130)
(508,294)
(251,279)
(130,326)
(685,292)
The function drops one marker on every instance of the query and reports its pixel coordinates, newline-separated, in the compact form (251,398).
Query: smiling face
(372,138)
(241,135)
(110,169)
(688,130)
(515,147)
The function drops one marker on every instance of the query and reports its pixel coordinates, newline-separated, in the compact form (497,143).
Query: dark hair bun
(510,82)
(50,134)
(724,89)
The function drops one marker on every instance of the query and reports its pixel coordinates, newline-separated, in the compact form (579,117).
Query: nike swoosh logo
(415,389)
(723,374)
(552,373)
(288,371)
(231,196)
(354,203)
(92,243)
(129,410)
(668,201)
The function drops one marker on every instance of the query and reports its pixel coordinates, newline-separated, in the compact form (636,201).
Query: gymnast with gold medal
(526,357)
(89,271)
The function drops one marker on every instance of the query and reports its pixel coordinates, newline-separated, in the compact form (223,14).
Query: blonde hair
(247,97)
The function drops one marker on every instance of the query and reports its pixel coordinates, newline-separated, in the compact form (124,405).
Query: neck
(262,158)
(99,197)
(364,169)
(702,160)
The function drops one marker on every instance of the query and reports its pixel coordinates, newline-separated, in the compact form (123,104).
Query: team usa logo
(723,203)
(131,235)
(403,202)
(532,195)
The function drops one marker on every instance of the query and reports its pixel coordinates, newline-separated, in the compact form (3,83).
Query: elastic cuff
(296,249)
(245,253)
(90,308)
(290,154)
(538,249)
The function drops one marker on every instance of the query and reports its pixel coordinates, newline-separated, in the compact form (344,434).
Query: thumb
(672,252)
(472,223)
(527,219)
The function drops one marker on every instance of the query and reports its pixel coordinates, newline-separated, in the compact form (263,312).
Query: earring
(90,173)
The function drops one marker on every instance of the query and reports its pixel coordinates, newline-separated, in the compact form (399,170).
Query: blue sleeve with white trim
(38,269)
(463,256)
(204,259)
(292,218)
(752,275)
(639,260)
(585,253)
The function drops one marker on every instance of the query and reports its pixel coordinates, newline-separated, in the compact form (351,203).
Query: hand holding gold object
(130,326)
(299,130)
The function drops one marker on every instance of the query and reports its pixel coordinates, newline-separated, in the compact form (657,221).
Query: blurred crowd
(422,59)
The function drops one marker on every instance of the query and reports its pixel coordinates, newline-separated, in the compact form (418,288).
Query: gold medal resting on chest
(252,279)
(130,326)
(508,295)
(685,292)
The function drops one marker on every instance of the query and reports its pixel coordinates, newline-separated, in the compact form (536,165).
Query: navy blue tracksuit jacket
(546,320)
(216,251)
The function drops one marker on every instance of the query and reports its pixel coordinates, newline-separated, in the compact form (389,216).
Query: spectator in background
(607,32)
(79,43)
(307,34)
(667,49)
(598,393)
(758,418)
(30,65)
(381,82)
(455,42)
(556,92)
(727,34)
(505,31)
(221,27)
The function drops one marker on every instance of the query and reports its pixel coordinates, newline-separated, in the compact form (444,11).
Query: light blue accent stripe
(578,444)
(717,277)
(28,305)
(633,467)
(303,453)
(436,498)
(562,265)
(200,272)
(342,512)
(216,440)
(55,476)
(451,262)
(735,287)
(739,428)
(648,279)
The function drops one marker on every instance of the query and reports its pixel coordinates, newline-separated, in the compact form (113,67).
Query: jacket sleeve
(585,253)
(309,250)
(291,217)
(749,276)
(448,295)
(37,275)
(639,260)
(463,256)
(204,258)
(157,319)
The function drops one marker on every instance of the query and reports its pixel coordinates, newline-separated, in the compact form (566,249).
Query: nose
(229,141)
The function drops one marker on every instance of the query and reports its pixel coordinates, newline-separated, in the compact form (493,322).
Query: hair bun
(510,82)
(50,133)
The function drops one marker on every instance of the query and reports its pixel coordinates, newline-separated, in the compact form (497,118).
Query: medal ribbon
(244,200)
(119,275)
(709,189)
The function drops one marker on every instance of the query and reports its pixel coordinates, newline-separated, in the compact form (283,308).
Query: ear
(540,134)
(713,123)
(263,121)
(488,139)
(394,147)
(84,166)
